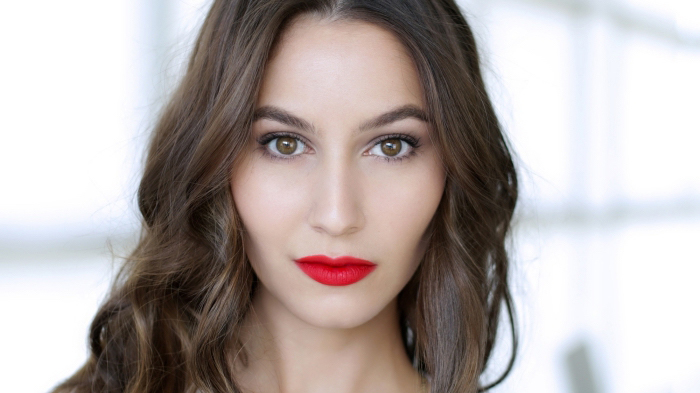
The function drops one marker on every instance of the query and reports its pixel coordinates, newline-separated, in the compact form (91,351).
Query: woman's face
(328,172)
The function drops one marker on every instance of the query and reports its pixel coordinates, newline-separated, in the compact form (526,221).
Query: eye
(389,147)
(284,146)
(395,147)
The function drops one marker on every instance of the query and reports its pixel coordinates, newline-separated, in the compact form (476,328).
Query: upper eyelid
(264,139)
(413,142)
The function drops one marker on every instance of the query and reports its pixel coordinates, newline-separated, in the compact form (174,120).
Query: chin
(336,314)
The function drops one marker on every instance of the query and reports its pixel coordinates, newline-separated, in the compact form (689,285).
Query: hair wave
(174,313)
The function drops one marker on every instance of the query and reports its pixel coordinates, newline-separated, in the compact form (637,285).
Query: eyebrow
(280,115)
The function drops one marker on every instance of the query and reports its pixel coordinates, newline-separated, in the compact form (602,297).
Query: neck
(285,354)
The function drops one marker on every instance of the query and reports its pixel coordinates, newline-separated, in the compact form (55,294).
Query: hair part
(173,317)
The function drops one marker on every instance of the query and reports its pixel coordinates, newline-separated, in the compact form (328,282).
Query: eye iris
(391,147)
(286,145)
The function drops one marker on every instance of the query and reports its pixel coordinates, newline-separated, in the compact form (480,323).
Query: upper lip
(339,261)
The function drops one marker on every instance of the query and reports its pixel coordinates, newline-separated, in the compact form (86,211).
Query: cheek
(405,206)
(268,202)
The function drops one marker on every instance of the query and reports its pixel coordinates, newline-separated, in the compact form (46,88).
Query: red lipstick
(335,271)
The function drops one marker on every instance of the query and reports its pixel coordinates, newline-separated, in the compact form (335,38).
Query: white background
(600,99)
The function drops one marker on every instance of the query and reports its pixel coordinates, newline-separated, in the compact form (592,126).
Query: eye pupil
(286,145)
(391,147)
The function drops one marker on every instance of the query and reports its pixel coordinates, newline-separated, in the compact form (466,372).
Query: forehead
(324,66)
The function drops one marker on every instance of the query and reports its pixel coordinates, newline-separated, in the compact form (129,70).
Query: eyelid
(413,142)
(265,139)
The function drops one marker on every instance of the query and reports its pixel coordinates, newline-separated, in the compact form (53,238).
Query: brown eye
(283,146)
(395,147)
(391,147)
(286,145)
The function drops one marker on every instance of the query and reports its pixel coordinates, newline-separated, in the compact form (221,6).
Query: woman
(325,202)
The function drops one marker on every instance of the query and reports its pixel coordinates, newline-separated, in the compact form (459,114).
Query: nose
(336,206)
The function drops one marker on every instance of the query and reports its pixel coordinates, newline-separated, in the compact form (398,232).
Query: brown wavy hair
(174,313)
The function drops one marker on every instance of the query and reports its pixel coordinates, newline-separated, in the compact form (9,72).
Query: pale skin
(336,189)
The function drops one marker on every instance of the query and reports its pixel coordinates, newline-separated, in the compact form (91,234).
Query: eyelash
(413,142)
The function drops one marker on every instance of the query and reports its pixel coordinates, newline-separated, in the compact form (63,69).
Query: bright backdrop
(599,97)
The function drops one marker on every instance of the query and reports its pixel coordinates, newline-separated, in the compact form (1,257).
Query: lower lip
(335,276)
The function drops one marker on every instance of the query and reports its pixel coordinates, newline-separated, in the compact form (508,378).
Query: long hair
(174,314)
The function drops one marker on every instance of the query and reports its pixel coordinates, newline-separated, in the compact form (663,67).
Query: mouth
(339,271)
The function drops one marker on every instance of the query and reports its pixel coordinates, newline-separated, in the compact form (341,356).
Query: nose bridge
(337,208)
